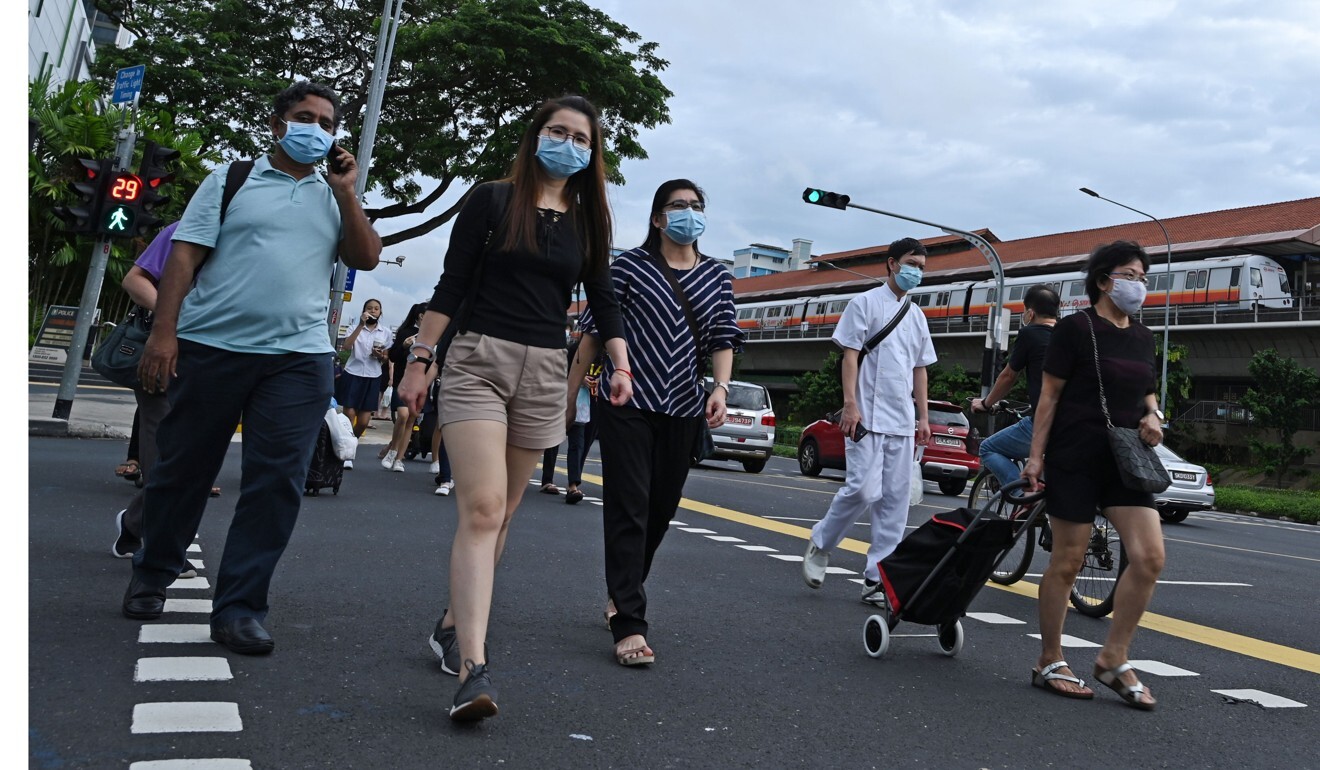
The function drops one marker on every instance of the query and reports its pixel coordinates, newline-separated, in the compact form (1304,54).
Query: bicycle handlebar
(1009,493)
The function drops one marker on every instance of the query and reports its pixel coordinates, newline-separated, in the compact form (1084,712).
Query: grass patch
(1296,505)
(782,450)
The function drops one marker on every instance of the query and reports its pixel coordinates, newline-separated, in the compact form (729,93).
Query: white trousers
(879,483)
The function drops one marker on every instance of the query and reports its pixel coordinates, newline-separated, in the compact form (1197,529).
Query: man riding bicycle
(1014,442)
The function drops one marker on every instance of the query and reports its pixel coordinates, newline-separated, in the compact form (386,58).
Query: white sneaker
(814,563)
(348,465)
(435,467)
(444,489)
(387,462)
(873,593)
(397,467)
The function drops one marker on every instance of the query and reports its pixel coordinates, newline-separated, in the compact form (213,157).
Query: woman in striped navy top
(646,445)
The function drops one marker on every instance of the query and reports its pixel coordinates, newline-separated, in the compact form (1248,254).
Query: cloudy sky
(966,113)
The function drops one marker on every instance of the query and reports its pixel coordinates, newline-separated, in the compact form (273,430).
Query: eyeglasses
(561,134)
(1141,279)
(681,205)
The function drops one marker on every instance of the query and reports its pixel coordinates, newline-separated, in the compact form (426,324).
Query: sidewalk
(108,413)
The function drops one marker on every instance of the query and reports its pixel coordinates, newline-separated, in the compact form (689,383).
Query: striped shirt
(661,350)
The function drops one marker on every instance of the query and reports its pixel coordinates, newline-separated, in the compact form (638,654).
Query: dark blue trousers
(281,399)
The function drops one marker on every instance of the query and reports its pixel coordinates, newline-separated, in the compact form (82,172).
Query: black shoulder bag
(1138,465)
(704,445)
(118,356)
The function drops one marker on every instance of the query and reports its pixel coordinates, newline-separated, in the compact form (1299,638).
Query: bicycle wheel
(1093,590)
(983,487)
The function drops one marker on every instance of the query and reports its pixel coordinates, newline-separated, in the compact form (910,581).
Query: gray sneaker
(188,571)
(476,697)
(814,564)
(873,594)
(444,643)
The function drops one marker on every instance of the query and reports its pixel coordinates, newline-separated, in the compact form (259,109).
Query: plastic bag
(917,489)
(341,435)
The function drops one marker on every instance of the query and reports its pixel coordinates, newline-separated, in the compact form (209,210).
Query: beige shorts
(487,378)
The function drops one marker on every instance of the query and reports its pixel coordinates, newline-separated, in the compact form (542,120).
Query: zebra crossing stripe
(192,669)
(187,605)
(186,717)
(192,764)
(175,633)
(1260,698)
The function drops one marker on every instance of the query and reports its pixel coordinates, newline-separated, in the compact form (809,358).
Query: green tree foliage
(819,392)
(953,385)
(73,122)
(1180,376)
(1283,391)
(464,78)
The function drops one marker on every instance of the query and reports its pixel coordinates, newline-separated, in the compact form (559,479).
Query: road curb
(51,427)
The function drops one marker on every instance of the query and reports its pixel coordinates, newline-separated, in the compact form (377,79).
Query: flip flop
(215,491)
(549,489)
(1049,674)
(1130,693)
(639,656)
(129,470)
(573,496)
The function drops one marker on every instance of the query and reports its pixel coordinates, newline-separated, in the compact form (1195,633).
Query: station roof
(1273,229)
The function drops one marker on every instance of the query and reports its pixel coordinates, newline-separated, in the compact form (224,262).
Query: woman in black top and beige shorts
(1070,448)
(514,256)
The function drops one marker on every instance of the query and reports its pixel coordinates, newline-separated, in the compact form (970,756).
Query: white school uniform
(880,465)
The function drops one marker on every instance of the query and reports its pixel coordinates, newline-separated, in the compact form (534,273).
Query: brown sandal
(637,656)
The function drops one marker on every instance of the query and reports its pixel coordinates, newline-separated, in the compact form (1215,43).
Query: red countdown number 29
(126,188)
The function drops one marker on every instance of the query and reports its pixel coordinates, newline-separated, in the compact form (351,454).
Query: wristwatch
(724,385)
(413,358)
(423,346)
(1158,414)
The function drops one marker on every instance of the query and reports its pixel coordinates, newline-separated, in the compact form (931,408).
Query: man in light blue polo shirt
(247,340)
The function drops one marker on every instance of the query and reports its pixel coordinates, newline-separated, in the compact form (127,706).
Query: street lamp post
(397,261)
(1168,289)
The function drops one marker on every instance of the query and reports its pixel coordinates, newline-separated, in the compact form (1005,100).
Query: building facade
(63,36)
(763,259)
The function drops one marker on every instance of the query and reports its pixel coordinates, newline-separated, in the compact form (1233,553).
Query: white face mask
(1127,296)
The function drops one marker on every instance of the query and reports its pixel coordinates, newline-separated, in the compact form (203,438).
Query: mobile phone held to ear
(336,165)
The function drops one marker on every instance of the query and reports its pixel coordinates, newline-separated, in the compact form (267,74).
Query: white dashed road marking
(194,548)
(677,523)
(758,548)
(1157,668)
(182,670)
(839,571)
(996,618)
(197,564)
(196,583)
(1070,641)
(186,718)
(192,764)
(175,633)
(187,605)
(698,530)
(785,557)
(1265,699)
(725,539)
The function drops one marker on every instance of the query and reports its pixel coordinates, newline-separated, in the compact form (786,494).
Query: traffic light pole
(91,291)
(389,25)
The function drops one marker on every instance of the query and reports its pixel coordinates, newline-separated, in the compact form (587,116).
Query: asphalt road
(753,668)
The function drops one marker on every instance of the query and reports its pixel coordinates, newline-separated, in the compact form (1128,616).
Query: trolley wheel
(409,453)
(951,638)
(875,636)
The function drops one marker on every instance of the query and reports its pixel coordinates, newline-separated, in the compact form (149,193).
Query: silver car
(748,435)
(1192,488)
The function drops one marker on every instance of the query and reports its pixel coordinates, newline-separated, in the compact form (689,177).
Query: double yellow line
(1195,632)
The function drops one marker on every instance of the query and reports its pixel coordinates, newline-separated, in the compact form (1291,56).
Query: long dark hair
(414,313)
(589,208)
(662,193)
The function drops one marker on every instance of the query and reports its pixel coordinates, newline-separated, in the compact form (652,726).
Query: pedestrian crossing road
(753,668)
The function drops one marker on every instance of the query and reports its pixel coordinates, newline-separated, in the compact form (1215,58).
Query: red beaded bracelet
(624,371)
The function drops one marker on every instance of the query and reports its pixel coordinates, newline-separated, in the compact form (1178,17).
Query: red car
(946,459)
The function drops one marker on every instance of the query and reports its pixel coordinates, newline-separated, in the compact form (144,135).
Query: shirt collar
(262,165)
(888,293)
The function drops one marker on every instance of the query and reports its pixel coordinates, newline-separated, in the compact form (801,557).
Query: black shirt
(1078,436)
(1029,355)
(524,295)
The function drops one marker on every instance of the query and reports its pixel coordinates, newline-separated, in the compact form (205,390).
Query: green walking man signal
(823,198)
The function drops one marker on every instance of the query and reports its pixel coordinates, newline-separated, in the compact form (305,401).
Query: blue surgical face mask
(908,278)
(306,142)
(684,227)
(561,159)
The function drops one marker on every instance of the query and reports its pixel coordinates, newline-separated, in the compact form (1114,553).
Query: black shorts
(1075,495)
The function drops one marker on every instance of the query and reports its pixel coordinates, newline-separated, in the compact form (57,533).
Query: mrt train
(1238,282)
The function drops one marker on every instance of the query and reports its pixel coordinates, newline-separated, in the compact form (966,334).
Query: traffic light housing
(823,198)
(154,172)
(83,216)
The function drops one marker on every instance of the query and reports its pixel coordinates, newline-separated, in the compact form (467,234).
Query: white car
(748,435)
(1192,488)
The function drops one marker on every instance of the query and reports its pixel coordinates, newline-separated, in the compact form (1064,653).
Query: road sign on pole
(128,84)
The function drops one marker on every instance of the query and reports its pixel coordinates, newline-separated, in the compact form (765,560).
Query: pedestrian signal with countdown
(119,214)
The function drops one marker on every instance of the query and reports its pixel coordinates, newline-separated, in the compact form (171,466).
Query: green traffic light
(815,196)
(118,221)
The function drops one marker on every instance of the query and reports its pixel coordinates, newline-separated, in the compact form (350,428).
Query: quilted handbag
(1138,465)
(119,354)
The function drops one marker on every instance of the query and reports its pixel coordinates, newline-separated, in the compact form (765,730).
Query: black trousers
(645,458)
(281,399)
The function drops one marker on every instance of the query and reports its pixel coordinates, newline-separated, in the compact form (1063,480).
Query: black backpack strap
(499,204)
(889,327)
(238,173)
